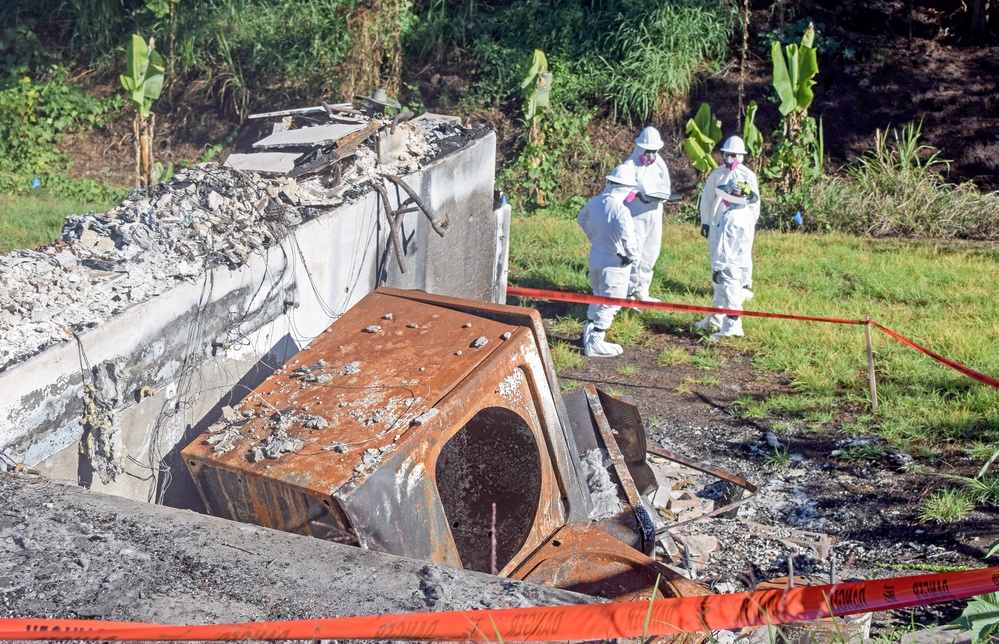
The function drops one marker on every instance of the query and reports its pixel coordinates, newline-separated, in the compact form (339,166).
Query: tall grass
(648,63)
(631,58)
(442,26)
(938,294)
(290,46)
(894,190)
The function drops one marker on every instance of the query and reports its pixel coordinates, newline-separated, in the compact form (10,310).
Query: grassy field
(940,295)
(29,222)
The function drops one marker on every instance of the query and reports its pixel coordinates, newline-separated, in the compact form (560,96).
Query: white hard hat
(649,139)
(624,174)
(735,145)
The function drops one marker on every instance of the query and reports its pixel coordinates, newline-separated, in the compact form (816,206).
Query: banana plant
(537,86)
(794,69)
(143,81)
(703,134)
(750,133)
(799,151)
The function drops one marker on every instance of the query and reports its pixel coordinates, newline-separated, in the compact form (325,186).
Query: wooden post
(870,364)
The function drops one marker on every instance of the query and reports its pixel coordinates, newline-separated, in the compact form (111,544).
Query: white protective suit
(610,228)
(732,225)
(648,215)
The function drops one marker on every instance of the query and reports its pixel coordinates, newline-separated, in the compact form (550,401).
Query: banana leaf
(144,74)
(750,133)
(703,133)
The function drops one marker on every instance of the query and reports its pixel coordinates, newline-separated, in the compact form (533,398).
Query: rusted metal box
(432,428)
(428,429)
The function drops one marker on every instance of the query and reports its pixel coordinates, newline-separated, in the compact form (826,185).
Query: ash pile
(205,217)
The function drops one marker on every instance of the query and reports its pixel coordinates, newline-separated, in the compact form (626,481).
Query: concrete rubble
(204,217)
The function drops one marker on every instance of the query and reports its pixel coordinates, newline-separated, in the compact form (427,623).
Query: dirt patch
(868,509)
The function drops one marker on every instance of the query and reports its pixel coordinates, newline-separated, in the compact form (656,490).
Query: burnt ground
(870,510)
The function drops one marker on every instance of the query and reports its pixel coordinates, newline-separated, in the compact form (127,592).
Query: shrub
(894,190)
(34,114)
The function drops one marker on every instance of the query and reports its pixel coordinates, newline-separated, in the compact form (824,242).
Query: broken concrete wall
(69,553)
(133,387)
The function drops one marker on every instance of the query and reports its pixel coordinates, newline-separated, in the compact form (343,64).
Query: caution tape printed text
(577,622)
(583,298)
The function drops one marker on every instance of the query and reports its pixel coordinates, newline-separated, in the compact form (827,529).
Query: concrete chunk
(264,162)
(307,136)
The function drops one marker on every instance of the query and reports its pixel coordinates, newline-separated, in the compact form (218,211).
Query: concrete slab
(307,136)
(263,162)
(66,552)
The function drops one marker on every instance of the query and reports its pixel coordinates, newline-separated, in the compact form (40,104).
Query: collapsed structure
(433,428)
(123,341)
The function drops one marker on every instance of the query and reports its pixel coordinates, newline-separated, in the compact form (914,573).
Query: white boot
(711,322)
(731,327)
(594,345)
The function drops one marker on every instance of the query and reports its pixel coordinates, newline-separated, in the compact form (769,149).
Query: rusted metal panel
(432,428)
(592,429)
(585,559)
(629,434)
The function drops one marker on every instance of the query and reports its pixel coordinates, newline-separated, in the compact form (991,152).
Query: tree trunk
(144,149)
(136,143)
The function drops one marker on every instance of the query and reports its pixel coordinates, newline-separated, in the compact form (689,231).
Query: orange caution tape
(582,298)
(579,622)
(968,371)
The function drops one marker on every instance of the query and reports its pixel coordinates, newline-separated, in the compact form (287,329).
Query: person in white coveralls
(646,205)
(730,209)
(610,227)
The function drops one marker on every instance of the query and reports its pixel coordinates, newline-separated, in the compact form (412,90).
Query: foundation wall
(158,374)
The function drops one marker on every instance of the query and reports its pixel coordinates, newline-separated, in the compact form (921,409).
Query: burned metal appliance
(433,428)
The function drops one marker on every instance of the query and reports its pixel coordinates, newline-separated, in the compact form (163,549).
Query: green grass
(565,356)
(863,453)
(938,294)
(708,360)
(30,222)
(566,385)
(750,408)
(946,505)
(671,356)
(687,386)
(628,370)
(568,326)
(779,458)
